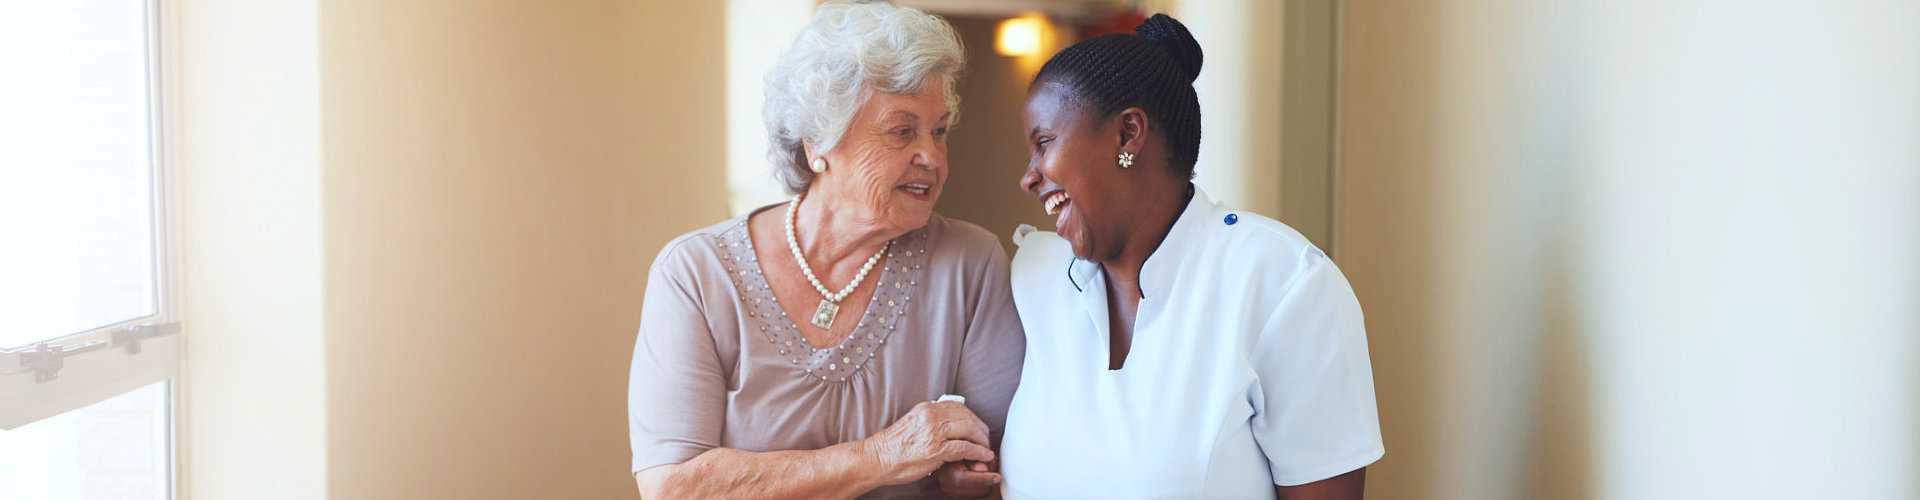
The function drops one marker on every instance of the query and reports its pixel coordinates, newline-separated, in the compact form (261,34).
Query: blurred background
(395,249)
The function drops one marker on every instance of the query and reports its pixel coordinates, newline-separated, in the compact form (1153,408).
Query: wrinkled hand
(967,479)
(930,435)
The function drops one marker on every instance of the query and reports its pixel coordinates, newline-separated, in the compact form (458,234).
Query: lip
(921,191)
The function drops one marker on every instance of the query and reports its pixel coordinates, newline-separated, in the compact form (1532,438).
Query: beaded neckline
(838,363)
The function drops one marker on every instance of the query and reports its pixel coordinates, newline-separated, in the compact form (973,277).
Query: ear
(1133,129)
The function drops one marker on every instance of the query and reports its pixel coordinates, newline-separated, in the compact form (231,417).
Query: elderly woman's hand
(930,435)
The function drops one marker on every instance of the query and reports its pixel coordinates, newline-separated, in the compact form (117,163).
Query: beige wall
(1308,52)
(1451,204)
(1386,230)
(417,236)
(1611,255)
(500,175)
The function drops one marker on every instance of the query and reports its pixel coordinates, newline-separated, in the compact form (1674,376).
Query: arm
(1314,412)
(840,471)
(1342,487)
(910,449)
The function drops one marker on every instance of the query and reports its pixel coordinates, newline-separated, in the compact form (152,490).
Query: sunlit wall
(1636,250)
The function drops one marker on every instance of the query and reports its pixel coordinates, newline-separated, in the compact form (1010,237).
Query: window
(87,355)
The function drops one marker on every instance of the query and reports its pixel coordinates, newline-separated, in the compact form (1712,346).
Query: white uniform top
(1248,368)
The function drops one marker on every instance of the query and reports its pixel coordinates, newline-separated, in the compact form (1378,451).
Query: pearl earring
(819,165)
(1126,159)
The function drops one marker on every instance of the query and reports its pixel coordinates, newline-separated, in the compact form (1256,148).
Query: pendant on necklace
(823,316)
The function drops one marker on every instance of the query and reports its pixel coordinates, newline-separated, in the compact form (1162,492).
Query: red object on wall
(1119,22)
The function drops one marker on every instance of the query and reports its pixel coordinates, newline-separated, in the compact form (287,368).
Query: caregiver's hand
(967,480)
(928,436)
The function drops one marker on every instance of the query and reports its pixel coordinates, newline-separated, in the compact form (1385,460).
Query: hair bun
(1176,39)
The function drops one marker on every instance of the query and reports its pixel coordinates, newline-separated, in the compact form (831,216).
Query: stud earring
(819,165)
(1126,159)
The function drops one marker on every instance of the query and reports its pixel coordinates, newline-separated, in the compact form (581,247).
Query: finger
(957,450)
(946,410)
(964,425)
(977,466)
(976,430)
(954,429)
(980,427)
(949,474)
(961,412)
(972,485)
(976,480)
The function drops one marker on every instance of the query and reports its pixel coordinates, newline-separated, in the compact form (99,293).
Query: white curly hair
(848,52)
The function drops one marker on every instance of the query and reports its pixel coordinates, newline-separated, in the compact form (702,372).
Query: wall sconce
(1021,36)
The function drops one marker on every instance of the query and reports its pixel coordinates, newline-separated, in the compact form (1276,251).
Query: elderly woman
(797,351)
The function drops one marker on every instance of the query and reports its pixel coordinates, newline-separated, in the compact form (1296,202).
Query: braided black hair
(1152,69)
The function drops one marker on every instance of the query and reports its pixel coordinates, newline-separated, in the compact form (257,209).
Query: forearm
(1348,486)
(840,471)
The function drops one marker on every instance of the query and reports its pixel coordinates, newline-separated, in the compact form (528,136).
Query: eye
(903,132)
(1042,142)
(940,132)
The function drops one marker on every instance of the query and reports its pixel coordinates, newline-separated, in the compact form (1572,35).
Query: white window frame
(71,371)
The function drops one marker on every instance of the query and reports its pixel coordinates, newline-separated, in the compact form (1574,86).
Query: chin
(909,220)
(1082,249)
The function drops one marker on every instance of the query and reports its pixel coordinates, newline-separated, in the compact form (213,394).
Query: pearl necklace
(829,307)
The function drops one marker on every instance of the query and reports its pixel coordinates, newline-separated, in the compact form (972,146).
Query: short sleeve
(1314,414)
(995,345)
(676,390)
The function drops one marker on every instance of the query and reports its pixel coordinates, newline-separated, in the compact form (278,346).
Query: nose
(1030,181)
(931,153)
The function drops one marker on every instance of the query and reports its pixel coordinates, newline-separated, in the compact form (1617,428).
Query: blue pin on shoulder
(1232,218)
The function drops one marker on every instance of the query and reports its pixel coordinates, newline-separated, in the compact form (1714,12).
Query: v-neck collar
(1156,277)
(885,310)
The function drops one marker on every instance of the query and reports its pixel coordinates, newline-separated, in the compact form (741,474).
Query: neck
(836,247)
(1151,228)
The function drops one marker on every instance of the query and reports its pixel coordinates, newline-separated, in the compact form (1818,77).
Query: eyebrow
(901,113)
(1034,132)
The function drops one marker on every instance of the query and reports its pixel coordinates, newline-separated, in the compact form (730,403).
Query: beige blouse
(719,364)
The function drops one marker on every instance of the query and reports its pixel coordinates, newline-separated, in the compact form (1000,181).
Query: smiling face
(1074,174)
(890,167)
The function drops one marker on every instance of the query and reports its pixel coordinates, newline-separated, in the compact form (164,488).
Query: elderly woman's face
(892,163)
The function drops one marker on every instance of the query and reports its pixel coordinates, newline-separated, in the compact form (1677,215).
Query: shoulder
(1263,258)
(964,242)
(1256,244)
(697,249)
(1254,232)
(1041,257)
(1037,246)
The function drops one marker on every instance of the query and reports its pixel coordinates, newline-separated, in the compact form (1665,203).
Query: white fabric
(1248,369)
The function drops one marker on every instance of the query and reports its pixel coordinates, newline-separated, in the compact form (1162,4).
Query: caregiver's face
(1072,171)
(892,162)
